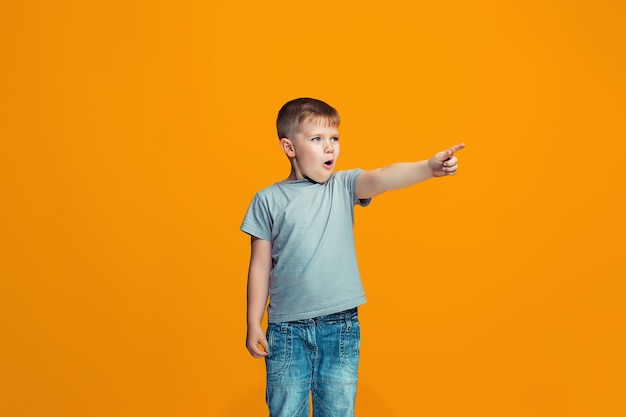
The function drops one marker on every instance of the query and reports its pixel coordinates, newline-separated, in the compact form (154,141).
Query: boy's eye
(335,139)
(316,139)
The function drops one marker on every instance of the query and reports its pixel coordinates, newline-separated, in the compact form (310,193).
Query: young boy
(303,259)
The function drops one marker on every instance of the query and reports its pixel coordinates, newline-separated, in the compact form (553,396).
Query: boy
(303,259)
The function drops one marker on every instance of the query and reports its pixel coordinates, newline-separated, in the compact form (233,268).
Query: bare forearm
(258,290)
(404,174)
(258,280)
(392,177)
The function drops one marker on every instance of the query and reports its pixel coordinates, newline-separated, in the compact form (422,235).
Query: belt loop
(348,321)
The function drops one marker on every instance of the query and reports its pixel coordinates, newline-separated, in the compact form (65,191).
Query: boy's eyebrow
(321,134)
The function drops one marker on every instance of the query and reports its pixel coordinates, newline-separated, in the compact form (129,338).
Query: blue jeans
(318,357)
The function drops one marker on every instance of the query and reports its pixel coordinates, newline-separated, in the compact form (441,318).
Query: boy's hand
(255,338)
(444,162)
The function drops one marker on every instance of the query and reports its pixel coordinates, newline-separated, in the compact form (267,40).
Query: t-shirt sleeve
(350,182)
(257,221)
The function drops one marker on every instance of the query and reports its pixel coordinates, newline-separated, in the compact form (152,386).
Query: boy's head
(309,136)
(300,110)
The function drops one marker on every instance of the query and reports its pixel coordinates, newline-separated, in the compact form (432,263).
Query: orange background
(134,134)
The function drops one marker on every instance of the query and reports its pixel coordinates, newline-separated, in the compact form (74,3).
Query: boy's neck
(294,174)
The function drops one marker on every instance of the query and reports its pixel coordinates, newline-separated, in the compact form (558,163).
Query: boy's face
(316,150)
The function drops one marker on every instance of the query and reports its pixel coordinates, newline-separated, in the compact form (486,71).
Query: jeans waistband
(350,314)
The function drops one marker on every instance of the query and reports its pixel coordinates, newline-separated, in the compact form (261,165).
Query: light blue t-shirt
(310,225)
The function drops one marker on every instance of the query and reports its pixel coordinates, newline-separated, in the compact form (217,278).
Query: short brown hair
(297,111)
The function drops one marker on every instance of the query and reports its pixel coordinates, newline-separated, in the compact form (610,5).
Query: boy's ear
(287,146)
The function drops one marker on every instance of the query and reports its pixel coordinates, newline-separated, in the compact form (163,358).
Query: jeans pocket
(280,341)
(350,345)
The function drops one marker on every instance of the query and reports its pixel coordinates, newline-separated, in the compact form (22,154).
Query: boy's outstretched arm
(258,290)
(403,174)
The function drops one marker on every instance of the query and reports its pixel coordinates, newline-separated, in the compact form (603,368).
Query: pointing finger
(456,148)
(447,154)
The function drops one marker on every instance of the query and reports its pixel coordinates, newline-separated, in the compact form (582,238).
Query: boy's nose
(329,148)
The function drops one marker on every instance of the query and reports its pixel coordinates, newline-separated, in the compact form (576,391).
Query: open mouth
(328,163)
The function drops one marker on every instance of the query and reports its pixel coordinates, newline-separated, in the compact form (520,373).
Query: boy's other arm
(403,174)
(258,291)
